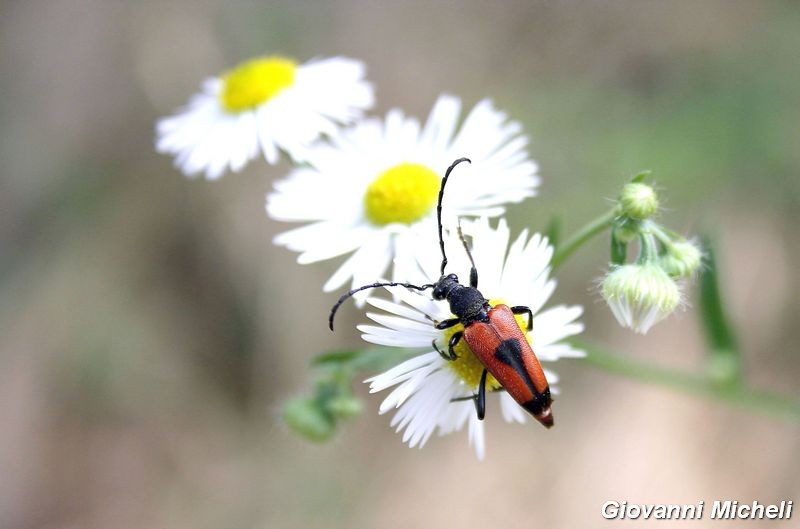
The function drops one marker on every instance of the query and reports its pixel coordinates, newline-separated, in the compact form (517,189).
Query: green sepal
(619,250)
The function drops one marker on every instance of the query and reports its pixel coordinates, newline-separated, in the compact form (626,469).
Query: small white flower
(265,104)
(640,295)
(426,385)
(377,181)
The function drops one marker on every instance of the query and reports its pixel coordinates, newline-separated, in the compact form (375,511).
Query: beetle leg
(521,309)
(446,324)
(441,353)
(474,397)
(480,398)
(453,342)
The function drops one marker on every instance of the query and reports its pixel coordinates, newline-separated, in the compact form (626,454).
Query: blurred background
(150,331)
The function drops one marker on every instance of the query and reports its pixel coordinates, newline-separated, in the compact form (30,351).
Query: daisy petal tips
(264,105)
(432,395)
(367,192)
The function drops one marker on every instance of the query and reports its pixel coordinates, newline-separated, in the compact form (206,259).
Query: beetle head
(444,286)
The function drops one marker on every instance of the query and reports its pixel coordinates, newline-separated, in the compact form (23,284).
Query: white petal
(555,324)
(476,436)
(398,309)
(512,412)
(400,371)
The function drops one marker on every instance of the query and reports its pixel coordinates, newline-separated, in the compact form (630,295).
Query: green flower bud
(345,406)
(640,295)
(638,201)
(682,259)
(304,416)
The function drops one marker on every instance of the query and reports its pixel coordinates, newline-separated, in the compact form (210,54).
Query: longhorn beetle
(491,332)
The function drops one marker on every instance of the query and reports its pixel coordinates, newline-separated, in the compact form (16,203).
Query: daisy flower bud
(640,295)
(682,259)
(638,201)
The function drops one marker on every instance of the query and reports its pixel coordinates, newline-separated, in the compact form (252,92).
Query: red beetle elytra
(491,332)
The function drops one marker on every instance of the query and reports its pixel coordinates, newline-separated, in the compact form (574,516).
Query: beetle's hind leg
(480,398)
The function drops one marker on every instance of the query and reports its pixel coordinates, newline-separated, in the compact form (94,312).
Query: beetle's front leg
(452,344)
(444,355)
(446,324)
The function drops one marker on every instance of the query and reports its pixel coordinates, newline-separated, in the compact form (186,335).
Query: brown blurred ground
(149,331)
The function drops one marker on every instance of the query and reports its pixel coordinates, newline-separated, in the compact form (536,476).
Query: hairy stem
(577,240)
(698,384)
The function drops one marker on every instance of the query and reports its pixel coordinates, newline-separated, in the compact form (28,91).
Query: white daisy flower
(264,104)
(377,181)
(427,388)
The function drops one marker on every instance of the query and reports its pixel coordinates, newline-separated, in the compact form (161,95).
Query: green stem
(725,357)
(698,384)
(649,248)
(577,240)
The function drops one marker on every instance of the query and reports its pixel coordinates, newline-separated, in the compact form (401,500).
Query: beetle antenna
(365,287)
(439,206)
(473,271)
(466,246)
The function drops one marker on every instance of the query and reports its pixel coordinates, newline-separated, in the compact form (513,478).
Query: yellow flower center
(404,193)
(467,366)
(255,81)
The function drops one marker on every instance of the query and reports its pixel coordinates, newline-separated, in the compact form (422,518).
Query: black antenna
(365,287)
(439,206)
(466,246)
(473,272)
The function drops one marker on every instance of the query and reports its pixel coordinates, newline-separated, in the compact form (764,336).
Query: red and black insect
(491,332)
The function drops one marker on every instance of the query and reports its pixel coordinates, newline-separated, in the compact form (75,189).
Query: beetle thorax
(468,304)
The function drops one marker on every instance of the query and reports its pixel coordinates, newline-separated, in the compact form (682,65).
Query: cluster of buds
(643,292)
(315,416)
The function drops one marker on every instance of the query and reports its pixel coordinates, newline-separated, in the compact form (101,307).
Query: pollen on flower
(255,81)
(403,193)
(467,366)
